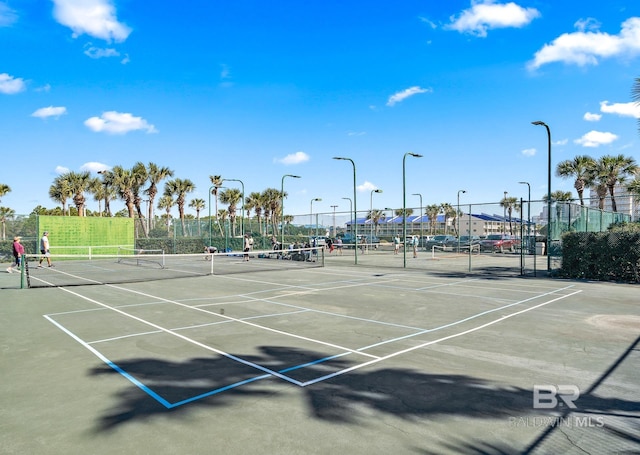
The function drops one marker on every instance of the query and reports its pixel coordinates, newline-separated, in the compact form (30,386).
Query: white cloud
(591,117)
(44,88)
(587,47)
(622,109)
(294,158)
(45,112)
(356,133)
(10,85)
(596,138)
(561,142)
(96,52)
(487,14)
(125,60)
(366,187)
(7,16)
(529,152)
(401,96)
(96,18)
(61,170)
(93,166)
(113,122)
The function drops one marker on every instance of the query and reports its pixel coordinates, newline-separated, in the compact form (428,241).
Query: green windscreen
(87,235)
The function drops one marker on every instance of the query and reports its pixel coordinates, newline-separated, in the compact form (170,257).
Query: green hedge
(603,256)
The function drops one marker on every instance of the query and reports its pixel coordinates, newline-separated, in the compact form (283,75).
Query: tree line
(142,184)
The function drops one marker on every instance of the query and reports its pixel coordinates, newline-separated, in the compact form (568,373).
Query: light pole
(421,235)
(377,190)
(540,123)
(350,205)
(317,199)
(210,192)
(504,214)
(458,218)
(355,206)
(282,207)
(404,205)
(528,215)
(242,207)
(334,220)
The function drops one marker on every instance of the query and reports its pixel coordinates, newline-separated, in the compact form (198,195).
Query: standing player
(18,251)
(44,249)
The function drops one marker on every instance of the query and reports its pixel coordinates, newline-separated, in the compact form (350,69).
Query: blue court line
(98,354)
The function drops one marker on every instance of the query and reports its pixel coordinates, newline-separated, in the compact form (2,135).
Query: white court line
(280,332)
(495,321)
(189,340)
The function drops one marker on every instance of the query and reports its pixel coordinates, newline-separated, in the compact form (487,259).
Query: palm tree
(60,191)
(432,213)
(510,204)
(166,203)
(612,170)
(231,197)
(272,199)
(216,182)
(4,189)
(376,216)
(579,168)
(179,188)
(155,175)
(198,205)
(123,181)
(634,189)
(5,214)
(288,219)
(254,202)
(140,175)
(78,183)
(449,212)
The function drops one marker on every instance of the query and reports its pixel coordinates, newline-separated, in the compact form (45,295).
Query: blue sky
(254,90)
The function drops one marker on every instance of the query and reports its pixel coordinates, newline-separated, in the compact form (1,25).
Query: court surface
(339,359)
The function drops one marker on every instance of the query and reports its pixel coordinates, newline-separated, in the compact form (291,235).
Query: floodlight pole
(504,214)
(282,207)
(458,219)
(317,199)
(377,190)
(540,123)
(210,190)
(334,220)
(355,206)
(404,206)
(528,213)
(421,225)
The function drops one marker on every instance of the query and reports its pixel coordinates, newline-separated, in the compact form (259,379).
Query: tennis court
(340,359)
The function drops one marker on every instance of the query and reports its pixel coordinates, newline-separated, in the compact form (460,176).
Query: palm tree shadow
(408,394)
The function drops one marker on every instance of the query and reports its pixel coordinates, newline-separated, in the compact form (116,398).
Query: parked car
(320,240)
(466,240)
(348,239)
(499,242)
(442,241)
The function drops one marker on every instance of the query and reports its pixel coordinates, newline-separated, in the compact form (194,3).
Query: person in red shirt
(18,251)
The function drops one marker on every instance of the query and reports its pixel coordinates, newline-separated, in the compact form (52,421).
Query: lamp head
(539,123)
(416,155)
(317,199)
(377,191)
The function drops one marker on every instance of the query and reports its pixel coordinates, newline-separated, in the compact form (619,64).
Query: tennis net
(129,266)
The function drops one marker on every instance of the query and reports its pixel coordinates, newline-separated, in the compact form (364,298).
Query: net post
(22,270)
